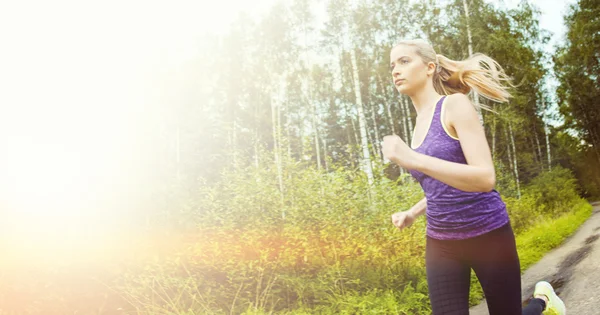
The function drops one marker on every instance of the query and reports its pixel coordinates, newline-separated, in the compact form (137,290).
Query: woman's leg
(545,299)
(535,307)
(448,278)
(496,264)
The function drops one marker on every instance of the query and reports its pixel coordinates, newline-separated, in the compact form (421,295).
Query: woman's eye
(402,62)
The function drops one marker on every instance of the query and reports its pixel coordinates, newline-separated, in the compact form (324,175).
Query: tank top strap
(437,122)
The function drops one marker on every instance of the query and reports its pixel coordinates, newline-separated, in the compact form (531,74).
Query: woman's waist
(457,199)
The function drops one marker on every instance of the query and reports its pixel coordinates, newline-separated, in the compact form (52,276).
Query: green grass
(532,245)
(538,240)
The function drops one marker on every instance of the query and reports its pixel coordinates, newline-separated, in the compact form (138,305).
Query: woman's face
(409,72)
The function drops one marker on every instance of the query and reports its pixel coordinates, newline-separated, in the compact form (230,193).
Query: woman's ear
(430,68)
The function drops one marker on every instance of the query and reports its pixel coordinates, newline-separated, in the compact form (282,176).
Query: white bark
(548,148)
(493,134)
(408,121)
(388,105)
(362,122)
(275,121)
(325,155)
(287,133)
(316,131)
(515,165)
(475,95)
(547,137)
(354,131)
(508,149)
(539,150)
(376,146)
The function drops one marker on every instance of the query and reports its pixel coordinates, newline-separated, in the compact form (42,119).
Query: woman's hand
(397,151)
(403,219)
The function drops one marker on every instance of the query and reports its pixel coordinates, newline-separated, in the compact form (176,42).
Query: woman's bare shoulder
(459,107)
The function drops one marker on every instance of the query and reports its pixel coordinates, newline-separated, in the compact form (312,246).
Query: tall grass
(324,245)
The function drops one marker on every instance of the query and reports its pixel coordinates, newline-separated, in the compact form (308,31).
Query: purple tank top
(453,214)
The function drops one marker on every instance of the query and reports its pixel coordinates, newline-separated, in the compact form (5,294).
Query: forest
(269,193)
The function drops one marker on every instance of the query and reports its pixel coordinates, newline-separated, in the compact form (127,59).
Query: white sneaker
(555,305)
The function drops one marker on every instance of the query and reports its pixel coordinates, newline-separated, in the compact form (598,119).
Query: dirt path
(573,269)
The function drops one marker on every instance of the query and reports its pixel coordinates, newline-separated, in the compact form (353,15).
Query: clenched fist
(403,219)
(397,151)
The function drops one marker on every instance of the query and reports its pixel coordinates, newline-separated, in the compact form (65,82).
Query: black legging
(493,256)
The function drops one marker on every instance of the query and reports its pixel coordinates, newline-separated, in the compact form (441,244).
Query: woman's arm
(477,175)
(419,208)
(406,218)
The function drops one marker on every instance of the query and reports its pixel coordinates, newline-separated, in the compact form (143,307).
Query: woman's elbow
(486,183)
(489,183)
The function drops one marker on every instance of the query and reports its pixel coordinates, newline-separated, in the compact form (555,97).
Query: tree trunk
(539,149)
(325,155)
(354,133)
(547,138)
(316,131)
(493,133)
(276,149)
(533,151)
(475,95)
(548,147)
(408,121)
(277,132)
(516,168)
(362,122)
(508,149)
(377,141)
(287,132)
(404,121)
(349,145)
(388,105)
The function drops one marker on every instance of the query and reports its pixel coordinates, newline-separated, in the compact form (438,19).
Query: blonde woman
(467,222)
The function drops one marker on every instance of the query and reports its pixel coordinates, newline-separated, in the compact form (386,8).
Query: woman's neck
(424,98)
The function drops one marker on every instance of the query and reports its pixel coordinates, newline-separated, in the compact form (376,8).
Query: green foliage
(547,196)
(335,243)
(578,70)
(540,238)
(334,252)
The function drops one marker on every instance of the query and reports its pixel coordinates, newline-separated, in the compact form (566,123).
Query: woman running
(467,222)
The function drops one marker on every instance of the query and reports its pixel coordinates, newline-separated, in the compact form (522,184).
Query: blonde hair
(478,72)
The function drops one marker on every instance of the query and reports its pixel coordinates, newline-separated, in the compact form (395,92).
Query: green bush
(548,195)
(325,245)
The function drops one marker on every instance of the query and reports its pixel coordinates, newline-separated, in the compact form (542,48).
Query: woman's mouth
(399,81)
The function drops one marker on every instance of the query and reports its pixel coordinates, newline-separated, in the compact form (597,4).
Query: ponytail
(479,73)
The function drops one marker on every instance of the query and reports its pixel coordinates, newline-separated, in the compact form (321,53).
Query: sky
(551,18)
